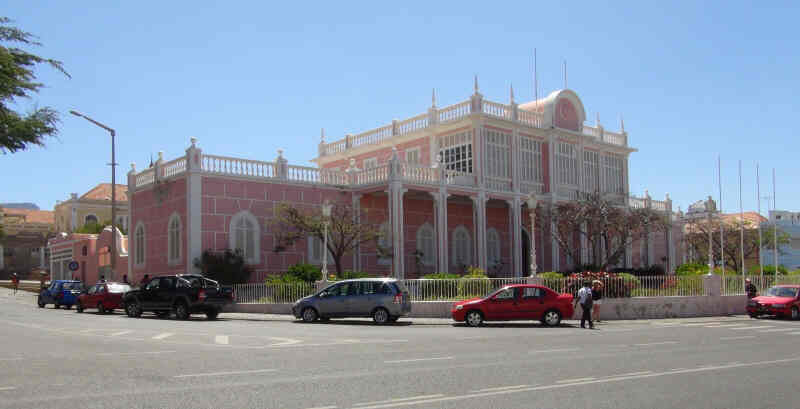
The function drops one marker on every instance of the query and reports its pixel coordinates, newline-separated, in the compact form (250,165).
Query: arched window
(426,244)
(245,236)
(174,239)
(493,257)
(315,250)
(138,245)
(90,219)
(385,244)
(462,247)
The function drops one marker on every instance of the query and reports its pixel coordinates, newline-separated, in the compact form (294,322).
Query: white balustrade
(238,167)
(529,118)
(378,174)
(457,178)
(636,202)
(659,205)
(145,178)
(413,124)
(455,112)
(335,147)
(498,184)
(173,167)
(372,136)
(528,187)
(496,109)
(420,174)
(614,138)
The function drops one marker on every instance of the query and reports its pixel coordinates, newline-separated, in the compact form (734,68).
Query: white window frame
(425,246)
(613,166)
(85,223)
(139,244)
(245,215)
(413,156)
(370,163)
(566,164)
(494,256)
(385,241)
(174,236)
(458,157)
(591,171)
(313,241)
(458,233)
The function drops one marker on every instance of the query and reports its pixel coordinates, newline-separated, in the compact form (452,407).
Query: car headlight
(459,307)
(778,305)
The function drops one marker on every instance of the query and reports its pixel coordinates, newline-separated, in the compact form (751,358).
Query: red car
(515,302)
(106,297)
(779,300)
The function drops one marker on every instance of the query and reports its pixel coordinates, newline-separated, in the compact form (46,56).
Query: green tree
(227,267)
(97,228)
(18,80)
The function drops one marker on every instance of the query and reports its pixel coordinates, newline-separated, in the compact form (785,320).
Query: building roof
(103,192)
(32,216)
(752,219)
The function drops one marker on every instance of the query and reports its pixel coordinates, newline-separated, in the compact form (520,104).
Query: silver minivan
(383,299)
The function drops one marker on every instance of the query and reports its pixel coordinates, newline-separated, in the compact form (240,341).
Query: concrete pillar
(556,259)
(515,227)
(41,257)
(357,220)
(712,285)
(281,166)
(479,222)
(395,201)
(671,258)
(440,213)
(194,194)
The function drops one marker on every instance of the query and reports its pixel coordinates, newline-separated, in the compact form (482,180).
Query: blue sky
(693,80)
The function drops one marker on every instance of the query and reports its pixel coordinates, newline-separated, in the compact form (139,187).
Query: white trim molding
(247,223)
(174,239)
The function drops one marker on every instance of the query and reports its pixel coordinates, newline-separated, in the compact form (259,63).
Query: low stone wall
(611,309)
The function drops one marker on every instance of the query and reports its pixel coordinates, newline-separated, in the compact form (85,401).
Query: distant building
(23,249)
(788,254)
(92,254)
(93,207)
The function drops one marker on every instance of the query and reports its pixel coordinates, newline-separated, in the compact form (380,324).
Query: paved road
(59,358)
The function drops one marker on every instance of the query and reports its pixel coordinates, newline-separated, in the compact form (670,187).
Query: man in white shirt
(585,299)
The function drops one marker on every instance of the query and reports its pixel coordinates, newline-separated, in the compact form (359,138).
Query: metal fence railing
(734,284)
(455,289)
(268,293)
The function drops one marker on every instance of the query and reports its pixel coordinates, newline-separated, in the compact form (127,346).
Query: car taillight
(398,299)
(201,295)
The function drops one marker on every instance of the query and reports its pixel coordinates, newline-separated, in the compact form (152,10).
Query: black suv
(182,294)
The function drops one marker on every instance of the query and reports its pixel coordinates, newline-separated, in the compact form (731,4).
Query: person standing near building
(585,300)
(750,289)
(597,298)
(15,282)
(144,281)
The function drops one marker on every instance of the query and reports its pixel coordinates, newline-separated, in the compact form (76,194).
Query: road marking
(696,324)
(134,353)
(7,388)
(542,351)
(400,361)
(724,326)
(575,380)
(732,338)
(778,330)
(567,385)
(10,359)
(765,326)
(284,341)
(794,333)
(631,374)
(656,343)
(221,339)
(438,395)
(195,375)
(740,327)
(163,336)
(116,334)
(677,369)
(502,388)
(324,407)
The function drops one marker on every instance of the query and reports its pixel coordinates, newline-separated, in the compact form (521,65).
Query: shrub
(616,285)
(441,276)
(348,275)
(227,267)
(549,275)
(769,269)
(691,269)
(305,272)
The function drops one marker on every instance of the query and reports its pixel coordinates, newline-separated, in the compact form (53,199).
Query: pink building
(451,183)
(91,252)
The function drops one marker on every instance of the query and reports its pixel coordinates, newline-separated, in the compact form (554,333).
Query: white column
(515,227)
(73,217)
(585,251)
(551,164)
(194,194)
(396,216)
(41,256)
(440,212)
(479,222)
(357,220)
(556,258)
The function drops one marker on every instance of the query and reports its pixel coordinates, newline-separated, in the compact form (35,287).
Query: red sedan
(779,300)
(515,302)
(106,297)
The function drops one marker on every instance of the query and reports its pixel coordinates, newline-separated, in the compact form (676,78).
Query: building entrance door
(526,254)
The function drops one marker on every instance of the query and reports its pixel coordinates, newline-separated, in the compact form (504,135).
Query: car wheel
(310,314)
(162,314)
(393,319)
(795,313)
(133,309)
(40,302)
(69,306)
(100,308)
(754,316)
(78,307)
(552,318)
(474,318)
(324,319)
(181,311)
(56,305)
(212,314)
(380,316)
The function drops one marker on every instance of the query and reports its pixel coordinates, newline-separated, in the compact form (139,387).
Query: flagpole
(760,247)
(721,221)
(741,220)
(774,227)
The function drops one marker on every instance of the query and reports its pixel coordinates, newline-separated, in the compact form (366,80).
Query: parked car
(779,300)
(383,299)
(515,302)
(106,297)
(182,294)
(60,292)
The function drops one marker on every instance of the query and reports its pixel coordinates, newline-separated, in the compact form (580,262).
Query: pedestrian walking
(144,281)
(15,282)
(42,282)
(750,289)
(597,299)
(125,279)
(103,278)
(585,300)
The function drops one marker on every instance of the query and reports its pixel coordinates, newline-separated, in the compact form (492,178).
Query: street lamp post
(113,165)
(710,210)
(326,214)
(532,202)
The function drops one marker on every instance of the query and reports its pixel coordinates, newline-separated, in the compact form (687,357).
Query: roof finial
(476,83)
(322,136)
(433,98)
(512,94)
(598,119)
(621,123)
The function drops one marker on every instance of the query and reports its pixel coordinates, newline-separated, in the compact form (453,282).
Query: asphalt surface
(59,358)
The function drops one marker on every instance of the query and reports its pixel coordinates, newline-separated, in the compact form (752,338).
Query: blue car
(60,292)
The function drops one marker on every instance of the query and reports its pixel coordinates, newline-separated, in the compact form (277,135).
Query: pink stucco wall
(96,246)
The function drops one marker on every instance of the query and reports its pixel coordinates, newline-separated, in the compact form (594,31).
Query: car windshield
(118,288)
(198,282)
(502,293)
(782,292)
(72,286)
